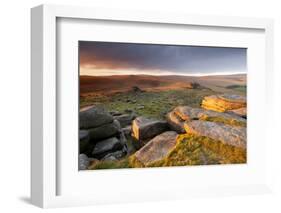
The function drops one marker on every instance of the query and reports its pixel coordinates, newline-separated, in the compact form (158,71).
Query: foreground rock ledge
(157,148)
(231,135)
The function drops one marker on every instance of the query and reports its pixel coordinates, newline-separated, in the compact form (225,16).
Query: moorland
(129,121)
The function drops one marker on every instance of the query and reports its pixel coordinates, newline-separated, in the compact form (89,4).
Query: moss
(215,151)
(231,122)
(124,163)
(190,150)
(135,163)
(198,150)
(229,154)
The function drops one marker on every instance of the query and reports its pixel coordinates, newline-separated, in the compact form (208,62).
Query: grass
(150,104)
(124,163)
(241,88)
(190,150)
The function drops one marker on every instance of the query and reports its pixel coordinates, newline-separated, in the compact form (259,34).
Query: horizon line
(177,74)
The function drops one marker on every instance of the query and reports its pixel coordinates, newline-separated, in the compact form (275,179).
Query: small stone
(84,162)
(129,111)
(114,155)
(140,107)
(127,130)
(115,113)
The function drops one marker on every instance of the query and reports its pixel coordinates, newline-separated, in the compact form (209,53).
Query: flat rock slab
(94,117)
(157,148)
(145,128)
(231,135)
(187,113)
(222,103)
(222,117)
(104,147)
(104,131)
(180,114)
(242,112)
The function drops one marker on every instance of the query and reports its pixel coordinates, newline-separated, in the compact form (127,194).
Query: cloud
(169,58)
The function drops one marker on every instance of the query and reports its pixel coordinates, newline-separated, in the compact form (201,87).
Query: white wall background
(15,103)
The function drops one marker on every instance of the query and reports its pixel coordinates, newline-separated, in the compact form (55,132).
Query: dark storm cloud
(191,59)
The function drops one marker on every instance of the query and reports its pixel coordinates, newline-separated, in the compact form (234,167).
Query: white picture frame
(45,174)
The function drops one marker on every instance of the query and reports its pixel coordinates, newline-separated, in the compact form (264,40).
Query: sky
(111,58)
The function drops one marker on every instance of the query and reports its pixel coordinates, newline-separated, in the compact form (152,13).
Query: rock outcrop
(94,117)
(175,122)
(102,148)
(136,89)
(212,134)
(196,85)
(144,128)
(103,131)
(157,148)
(231,135)
(222,103)
(187,113)
(100,134)
(125,119)
(180,114)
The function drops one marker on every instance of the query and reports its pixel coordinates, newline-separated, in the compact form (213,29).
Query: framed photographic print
(130,106)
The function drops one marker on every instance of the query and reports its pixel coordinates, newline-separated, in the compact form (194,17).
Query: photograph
(134,106)
(145,105)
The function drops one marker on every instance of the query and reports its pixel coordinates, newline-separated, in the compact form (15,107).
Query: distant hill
(119,83)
